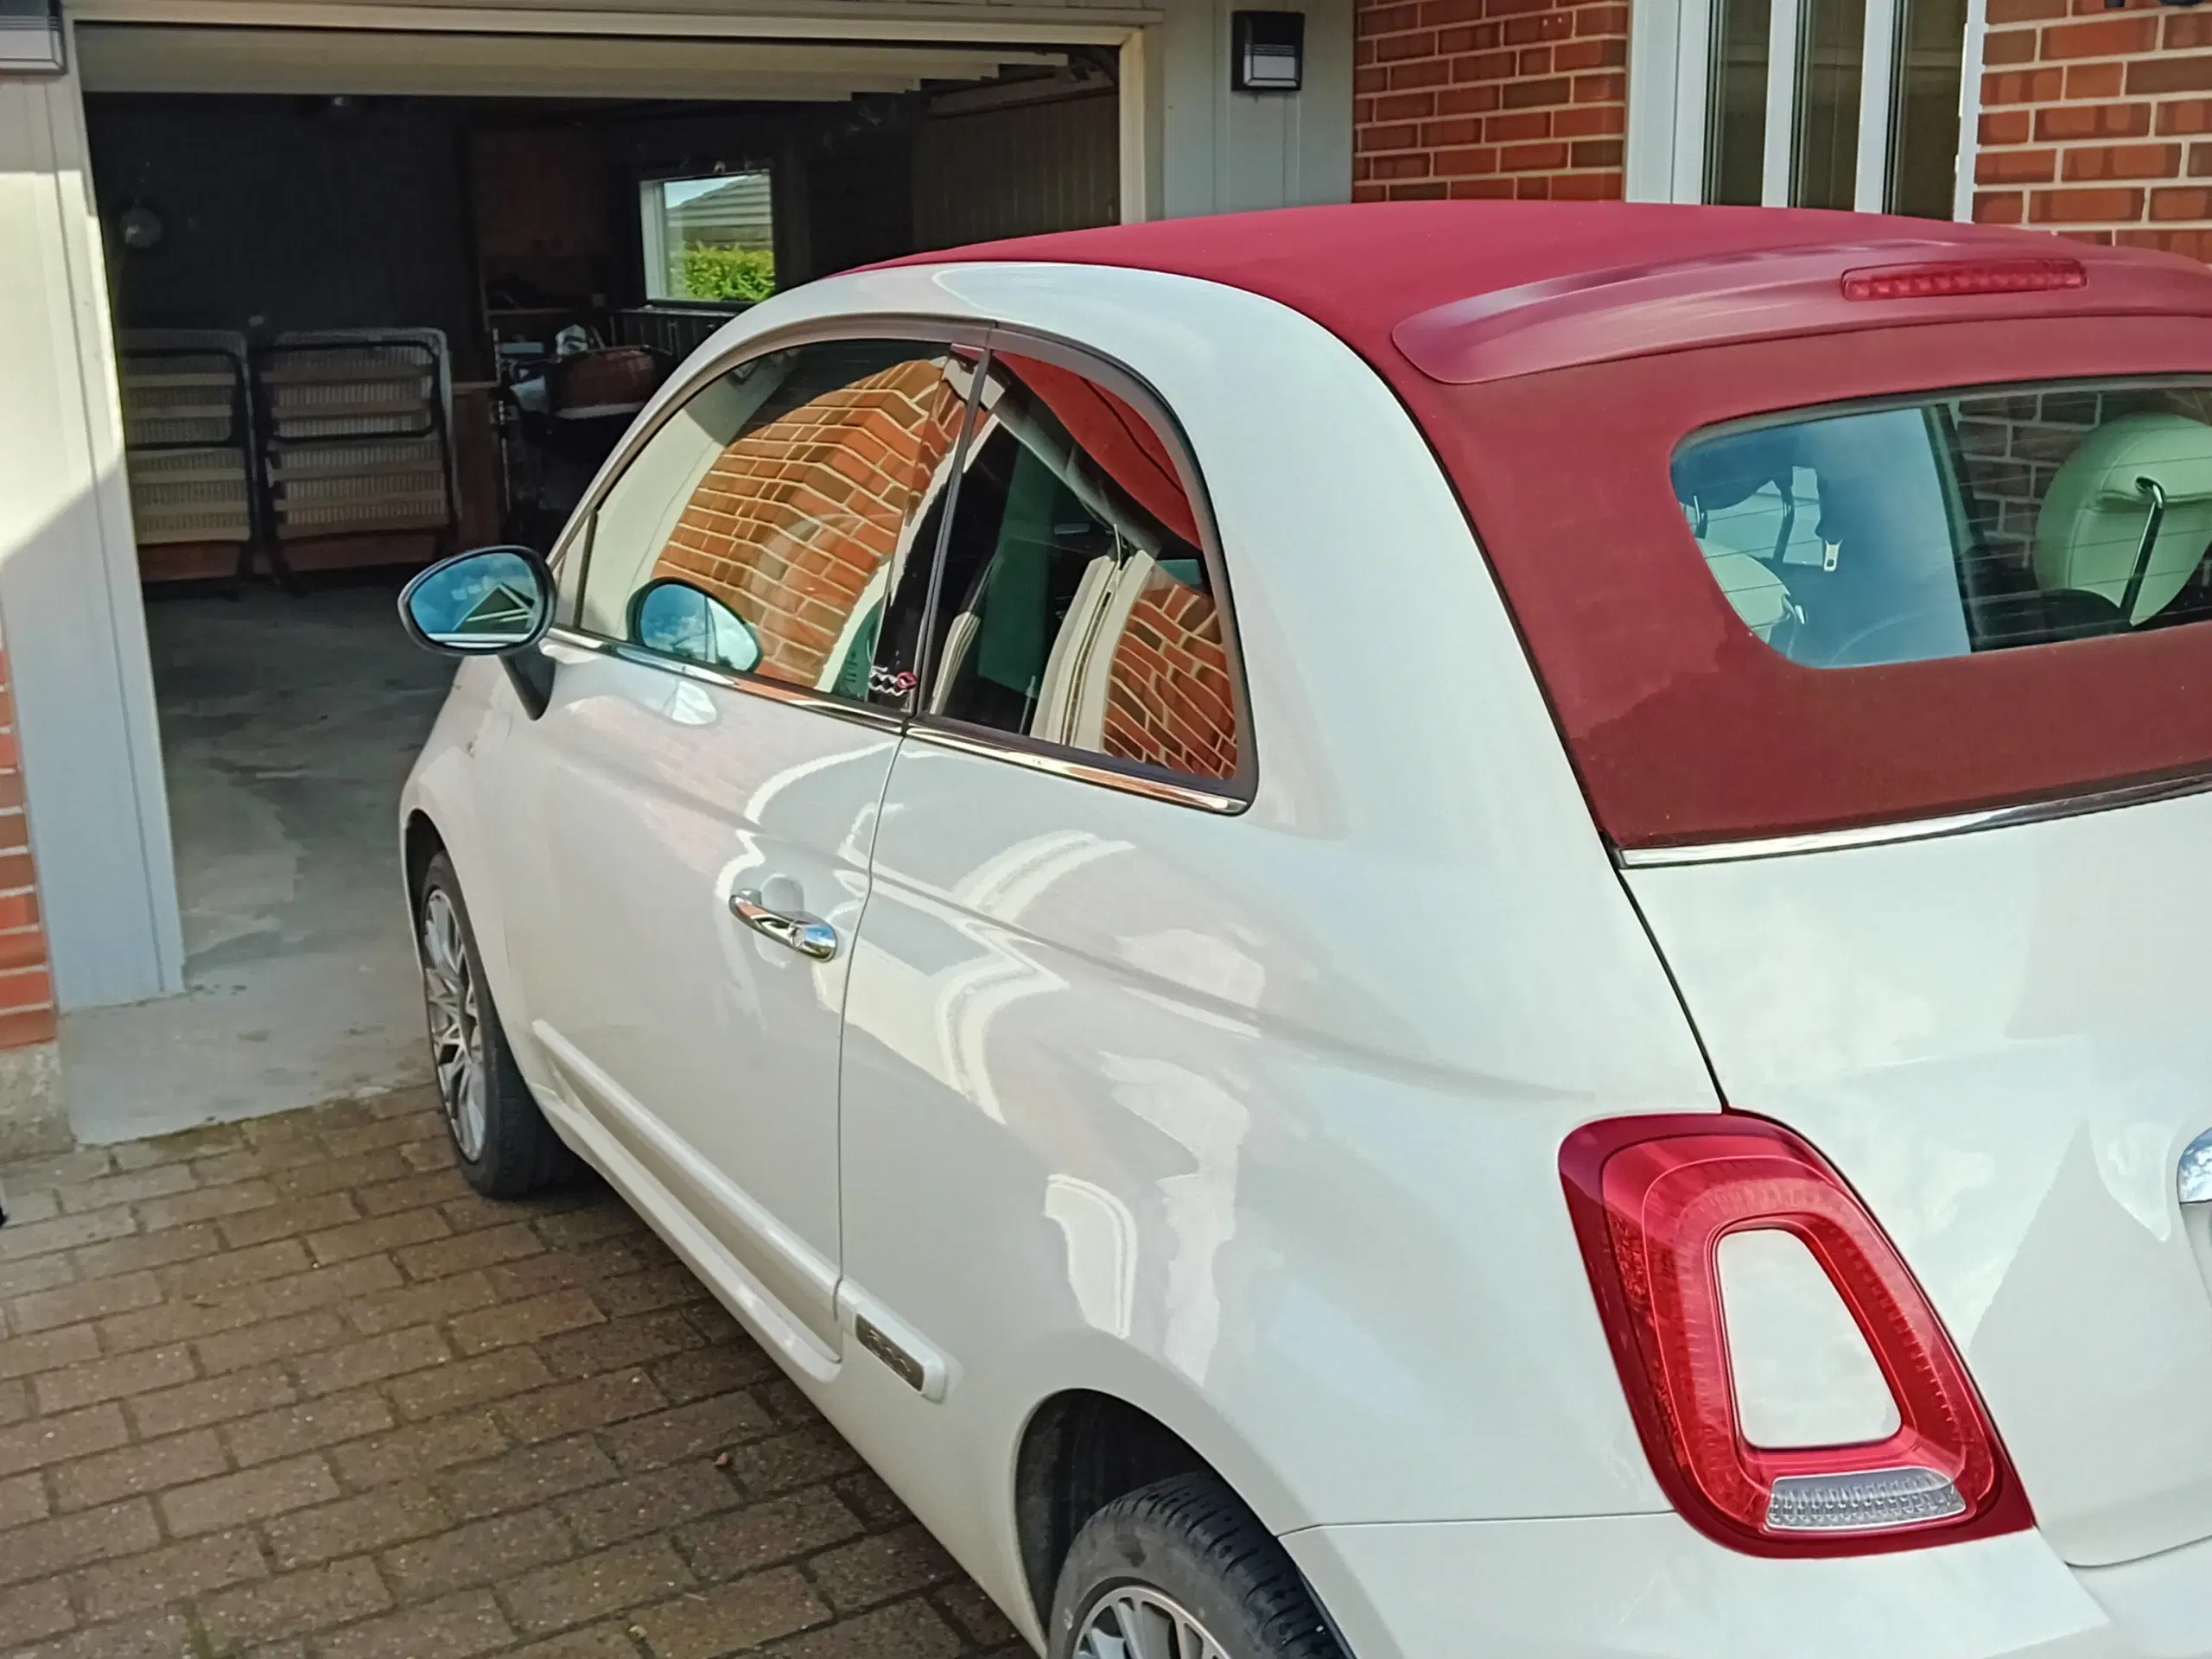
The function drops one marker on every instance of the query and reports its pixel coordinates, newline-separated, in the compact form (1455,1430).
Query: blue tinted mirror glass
(480,604)
(677,619)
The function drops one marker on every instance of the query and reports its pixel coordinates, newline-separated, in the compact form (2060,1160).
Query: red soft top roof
(1556,355)
(1361,271)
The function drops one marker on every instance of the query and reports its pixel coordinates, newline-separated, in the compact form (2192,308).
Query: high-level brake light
(1962,278)
(1652,1198)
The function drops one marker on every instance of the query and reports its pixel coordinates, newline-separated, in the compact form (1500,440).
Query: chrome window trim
(795,696)
(1056,765)
(1059,764)
(1885,835)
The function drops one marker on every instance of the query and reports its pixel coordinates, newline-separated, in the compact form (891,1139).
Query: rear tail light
(1961,279)
(1652,1198)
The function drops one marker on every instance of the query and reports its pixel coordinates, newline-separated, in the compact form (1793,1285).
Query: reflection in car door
(697,839)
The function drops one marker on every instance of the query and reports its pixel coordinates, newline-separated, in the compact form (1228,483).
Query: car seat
(2129,515)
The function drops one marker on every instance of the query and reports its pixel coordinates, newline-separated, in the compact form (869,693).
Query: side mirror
(487,603)
(672,617)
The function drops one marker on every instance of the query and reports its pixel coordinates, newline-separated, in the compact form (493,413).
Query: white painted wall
(1219,151)
(69,606)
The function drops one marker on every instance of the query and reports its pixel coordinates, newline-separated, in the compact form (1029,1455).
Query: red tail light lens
(1961,279)
(1652,1197)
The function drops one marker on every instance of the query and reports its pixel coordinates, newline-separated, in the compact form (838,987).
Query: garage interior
(379,296)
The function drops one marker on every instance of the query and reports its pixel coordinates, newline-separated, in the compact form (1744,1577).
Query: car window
(1960,524)
(771,523)
(1076,606)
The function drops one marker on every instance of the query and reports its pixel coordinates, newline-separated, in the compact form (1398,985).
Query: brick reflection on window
(793,520)
(1168,703)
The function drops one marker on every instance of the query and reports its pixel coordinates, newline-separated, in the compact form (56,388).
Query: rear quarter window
(1848,578)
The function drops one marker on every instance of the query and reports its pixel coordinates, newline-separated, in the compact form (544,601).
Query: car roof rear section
(1556,355)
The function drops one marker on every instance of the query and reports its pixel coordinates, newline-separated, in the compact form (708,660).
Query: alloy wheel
(1133,1622)
(449,994)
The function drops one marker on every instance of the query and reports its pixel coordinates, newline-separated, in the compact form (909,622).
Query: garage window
(711,237)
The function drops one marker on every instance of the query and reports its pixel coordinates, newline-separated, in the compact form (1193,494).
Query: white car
(1440,930)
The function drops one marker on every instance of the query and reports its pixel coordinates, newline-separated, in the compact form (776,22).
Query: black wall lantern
(1268,51)
(30,37)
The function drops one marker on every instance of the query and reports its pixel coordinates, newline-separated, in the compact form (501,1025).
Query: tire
(1189,1543)
(506,1148)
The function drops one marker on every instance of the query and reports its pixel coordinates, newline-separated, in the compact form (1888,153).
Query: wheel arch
(420,842)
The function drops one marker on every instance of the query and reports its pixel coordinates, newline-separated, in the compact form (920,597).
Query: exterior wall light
(1268,51)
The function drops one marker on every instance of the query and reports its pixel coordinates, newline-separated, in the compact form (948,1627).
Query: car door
(696,806)
(1043,1057)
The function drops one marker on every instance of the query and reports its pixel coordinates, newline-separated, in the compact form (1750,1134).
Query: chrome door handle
(808,935)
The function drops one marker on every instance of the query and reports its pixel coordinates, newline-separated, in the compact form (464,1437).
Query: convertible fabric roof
(1555,356)
(1360,270)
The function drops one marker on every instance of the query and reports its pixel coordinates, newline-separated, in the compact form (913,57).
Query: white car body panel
(642,800)
(1650,1587)
(1253,1121)
(2000,1039)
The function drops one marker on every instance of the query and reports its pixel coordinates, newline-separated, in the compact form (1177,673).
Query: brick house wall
(2098,124)
(1168,702)
(794,518)
(31,1101)
(26,987)
(1490,97)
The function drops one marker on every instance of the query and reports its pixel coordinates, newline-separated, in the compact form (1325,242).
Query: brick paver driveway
(290,1389)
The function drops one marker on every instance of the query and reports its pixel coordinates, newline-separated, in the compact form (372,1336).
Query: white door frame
(69,577)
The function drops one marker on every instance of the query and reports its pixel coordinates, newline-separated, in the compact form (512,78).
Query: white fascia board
(790,19)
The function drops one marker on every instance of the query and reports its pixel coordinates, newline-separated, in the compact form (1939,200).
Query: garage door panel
(140,58)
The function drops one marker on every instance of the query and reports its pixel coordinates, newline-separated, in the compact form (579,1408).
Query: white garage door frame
(75,623)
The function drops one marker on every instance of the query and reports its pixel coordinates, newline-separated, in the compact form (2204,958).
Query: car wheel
(507,1148)
(1182,1570)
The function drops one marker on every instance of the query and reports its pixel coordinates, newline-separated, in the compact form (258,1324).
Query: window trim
(583,523)
(1234,795)
(1229,795)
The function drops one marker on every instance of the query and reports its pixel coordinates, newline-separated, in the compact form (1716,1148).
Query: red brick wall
(1168,702)
(2098,124)
(1491,98)
(795,517)
(26,986)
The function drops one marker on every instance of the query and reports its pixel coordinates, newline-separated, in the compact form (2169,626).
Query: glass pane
(1959,525)
(774,519)
(1831,52)
(1924,140)
(712,238)
(1075,606)
(1735,127)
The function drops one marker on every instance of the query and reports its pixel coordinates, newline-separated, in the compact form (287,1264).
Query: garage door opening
(381,297)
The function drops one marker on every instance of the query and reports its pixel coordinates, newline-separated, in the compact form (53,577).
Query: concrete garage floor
(288,1390)
(287,725)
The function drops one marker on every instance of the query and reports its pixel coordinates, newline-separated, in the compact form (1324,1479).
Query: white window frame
(1671,61)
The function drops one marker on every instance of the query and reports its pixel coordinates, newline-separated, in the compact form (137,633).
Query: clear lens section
(2197,1171)
(1861,1500)
(1803,1373)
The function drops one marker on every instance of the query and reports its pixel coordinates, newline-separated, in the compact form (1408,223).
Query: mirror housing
(492,602)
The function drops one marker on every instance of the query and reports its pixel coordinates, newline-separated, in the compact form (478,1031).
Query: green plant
(714,273)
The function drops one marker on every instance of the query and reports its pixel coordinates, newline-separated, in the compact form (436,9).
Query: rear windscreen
(1911,530)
